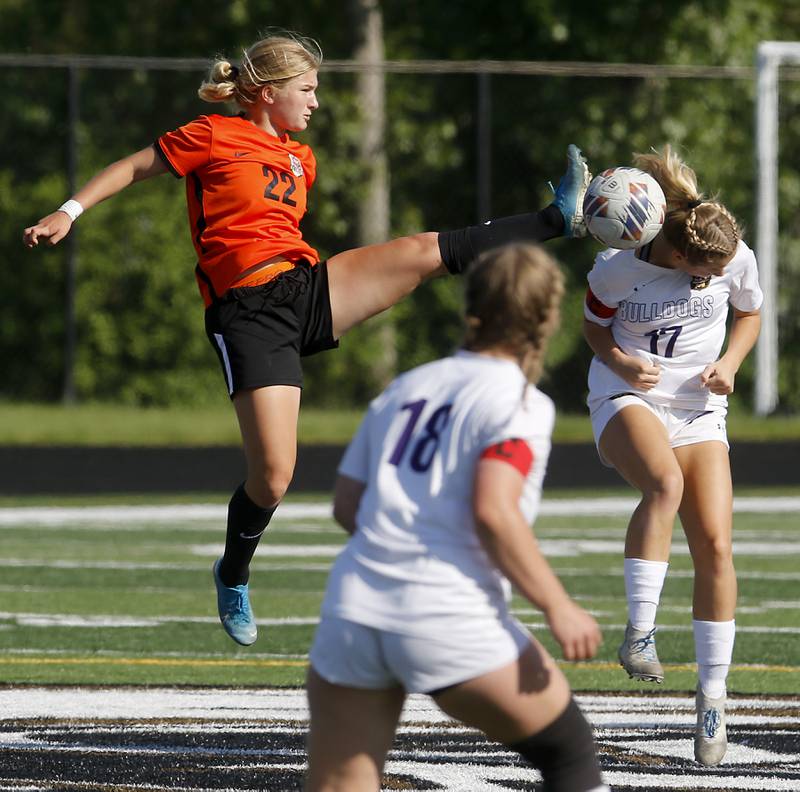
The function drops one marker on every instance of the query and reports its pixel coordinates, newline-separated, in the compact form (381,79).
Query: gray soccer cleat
(570,192)
(710,735)
(637,655)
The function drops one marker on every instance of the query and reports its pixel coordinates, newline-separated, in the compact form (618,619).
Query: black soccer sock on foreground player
(564,753)
(461,247)
(247,521)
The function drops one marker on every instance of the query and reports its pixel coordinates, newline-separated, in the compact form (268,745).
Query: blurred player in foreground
(439,488)
(655,317)
(268,298)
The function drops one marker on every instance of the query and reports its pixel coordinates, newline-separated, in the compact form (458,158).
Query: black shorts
(260,332)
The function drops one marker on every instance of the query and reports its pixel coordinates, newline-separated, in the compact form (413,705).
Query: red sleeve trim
(516,452)
(598,308)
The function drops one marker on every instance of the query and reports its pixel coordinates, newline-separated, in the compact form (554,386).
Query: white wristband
(71,209)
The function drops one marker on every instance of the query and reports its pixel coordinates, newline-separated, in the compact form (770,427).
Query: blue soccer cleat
(570,192)
(233,604)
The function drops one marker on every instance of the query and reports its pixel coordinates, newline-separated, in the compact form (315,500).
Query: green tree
(140,319)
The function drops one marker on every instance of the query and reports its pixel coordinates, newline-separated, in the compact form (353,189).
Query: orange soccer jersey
(246,192)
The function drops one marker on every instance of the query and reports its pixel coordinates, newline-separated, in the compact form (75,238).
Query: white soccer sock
(643,583)
(713,646)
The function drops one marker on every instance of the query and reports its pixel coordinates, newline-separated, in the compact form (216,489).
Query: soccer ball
(624,207)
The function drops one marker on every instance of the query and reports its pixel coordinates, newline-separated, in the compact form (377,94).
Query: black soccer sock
(564,753)
(247,521)
(461,247)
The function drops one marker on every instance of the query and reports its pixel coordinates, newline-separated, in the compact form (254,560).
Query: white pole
(766,390)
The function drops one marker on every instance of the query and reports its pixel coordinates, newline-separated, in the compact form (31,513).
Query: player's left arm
(347,494)
(352,475)
(719,376)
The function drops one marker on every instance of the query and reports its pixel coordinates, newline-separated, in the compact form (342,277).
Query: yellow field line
(760,667)
(150,661)
(277,663)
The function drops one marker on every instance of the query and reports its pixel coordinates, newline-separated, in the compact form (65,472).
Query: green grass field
(115,425)
(120,599)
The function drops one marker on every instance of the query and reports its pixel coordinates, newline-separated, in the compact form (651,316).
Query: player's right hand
(637,372)
(52,229)
(575,630)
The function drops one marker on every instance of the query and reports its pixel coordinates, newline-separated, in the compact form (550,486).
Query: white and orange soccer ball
(624,207)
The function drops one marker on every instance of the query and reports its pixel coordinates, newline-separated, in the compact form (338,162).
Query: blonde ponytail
(221,83)
(272,60)
(702,229)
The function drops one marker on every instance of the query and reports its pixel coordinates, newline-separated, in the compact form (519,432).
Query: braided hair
(702,229)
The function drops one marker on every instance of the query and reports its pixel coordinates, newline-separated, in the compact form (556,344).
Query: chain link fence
(113,314)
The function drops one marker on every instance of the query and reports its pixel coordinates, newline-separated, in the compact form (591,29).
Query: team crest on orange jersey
(699,283)
(296,165)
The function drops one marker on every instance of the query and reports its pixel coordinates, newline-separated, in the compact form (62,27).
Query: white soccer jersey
(415,563)
(669,318)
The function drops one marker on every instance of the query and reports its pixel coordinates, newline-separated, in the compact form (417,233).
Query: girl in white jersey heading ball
(438,489)
(655,318)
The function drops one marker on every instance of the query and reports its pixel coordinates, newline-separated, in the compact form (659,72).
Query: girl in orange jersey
(269,300)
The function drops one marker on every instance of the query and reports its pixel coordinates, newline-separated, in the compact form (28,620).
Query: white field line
(289,705)
(552,548)
(97,621)
(118,515)
(115,515)
(258,566)
(113,620)
(175,566)
(116,653)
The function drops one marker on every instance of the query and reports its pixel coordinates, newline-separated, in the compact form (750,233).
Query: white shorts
(684,427)
(358,656)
